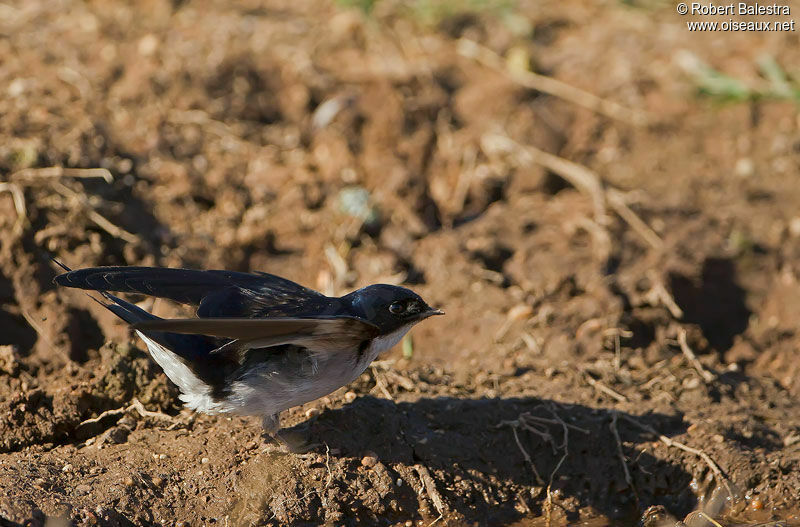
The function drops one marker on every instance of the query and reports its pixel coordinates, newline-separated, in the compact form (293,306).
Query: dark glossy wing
(320,334)
(216,293)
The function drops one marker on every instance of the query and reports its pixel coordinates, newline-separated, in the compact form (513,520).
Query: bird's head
(389,307)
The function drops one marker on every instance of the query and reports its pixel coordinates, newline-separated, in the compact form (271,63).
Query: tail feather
(186,346)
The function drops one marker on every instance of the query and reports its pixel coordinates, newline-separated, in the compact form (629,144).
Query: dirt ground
(623,353)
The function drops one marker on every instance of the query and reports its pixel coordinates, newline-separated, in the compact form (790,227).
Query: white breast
(381,344)
(267,389)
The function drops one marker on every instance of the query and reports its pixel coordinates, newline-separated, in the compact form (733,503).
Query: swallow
(259,344)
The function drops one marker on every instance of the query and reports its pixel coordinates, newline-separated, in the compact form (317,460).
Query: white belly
(272,387)
(265,391)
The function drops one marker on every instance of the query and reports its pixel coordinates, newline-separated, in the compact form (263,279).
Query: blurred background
(604,203)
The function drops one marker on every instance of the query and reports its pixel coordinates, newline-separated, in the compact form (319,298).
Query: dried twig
(19,206)
(38,329)
(527,457)
(549,501)
(473,50)
(529,422)
(601,240)
(617,201)
(699,453)
(139,407)
(116,411)
(621,455)
(581,178)
(600,387)
(380,383)
(100,220)
(430,489)
(693,360)
(577,175)
(658,295)
(136,404)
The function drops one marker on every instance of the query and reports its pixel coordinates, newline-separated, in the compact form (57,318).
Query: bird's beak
(430,312)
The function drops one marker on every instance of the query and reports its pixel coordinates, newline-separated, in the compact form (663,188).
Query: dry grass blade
(473,50)
(56,172)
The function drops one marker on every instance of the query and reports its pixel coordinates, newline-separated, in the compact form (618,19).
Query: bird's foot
(285,442)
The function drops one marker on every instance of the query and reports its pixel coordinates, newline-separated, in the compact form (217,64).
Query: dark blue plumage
(260,343)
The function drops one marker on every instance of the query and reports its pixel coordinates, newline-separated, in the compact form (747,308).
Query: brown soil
(559,342)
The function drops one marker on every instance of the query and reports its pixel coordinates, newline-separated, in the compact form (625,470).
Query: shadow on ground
(480,470)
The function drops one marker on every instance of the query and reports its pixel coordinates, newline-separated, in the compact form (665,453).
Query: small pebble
(148,45)
(128,481)
(82,489)
(312,412)
(66,468)
(717,438)
(744,167)
(520,312)
(691,383)
(204,460)
(757,504)
(350,397)
(794,226)
(370,459)
(157,481)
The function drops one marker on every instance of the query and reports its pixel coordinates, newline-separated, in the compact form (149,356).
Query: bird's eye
(396,308)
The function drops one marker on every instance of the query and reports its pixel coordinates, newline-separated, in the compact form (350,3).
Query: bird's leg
(271,424)
(287,442)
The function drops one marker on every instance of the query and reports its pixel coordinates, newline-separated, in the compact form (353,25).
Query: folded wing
(319,334)
(216,293)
